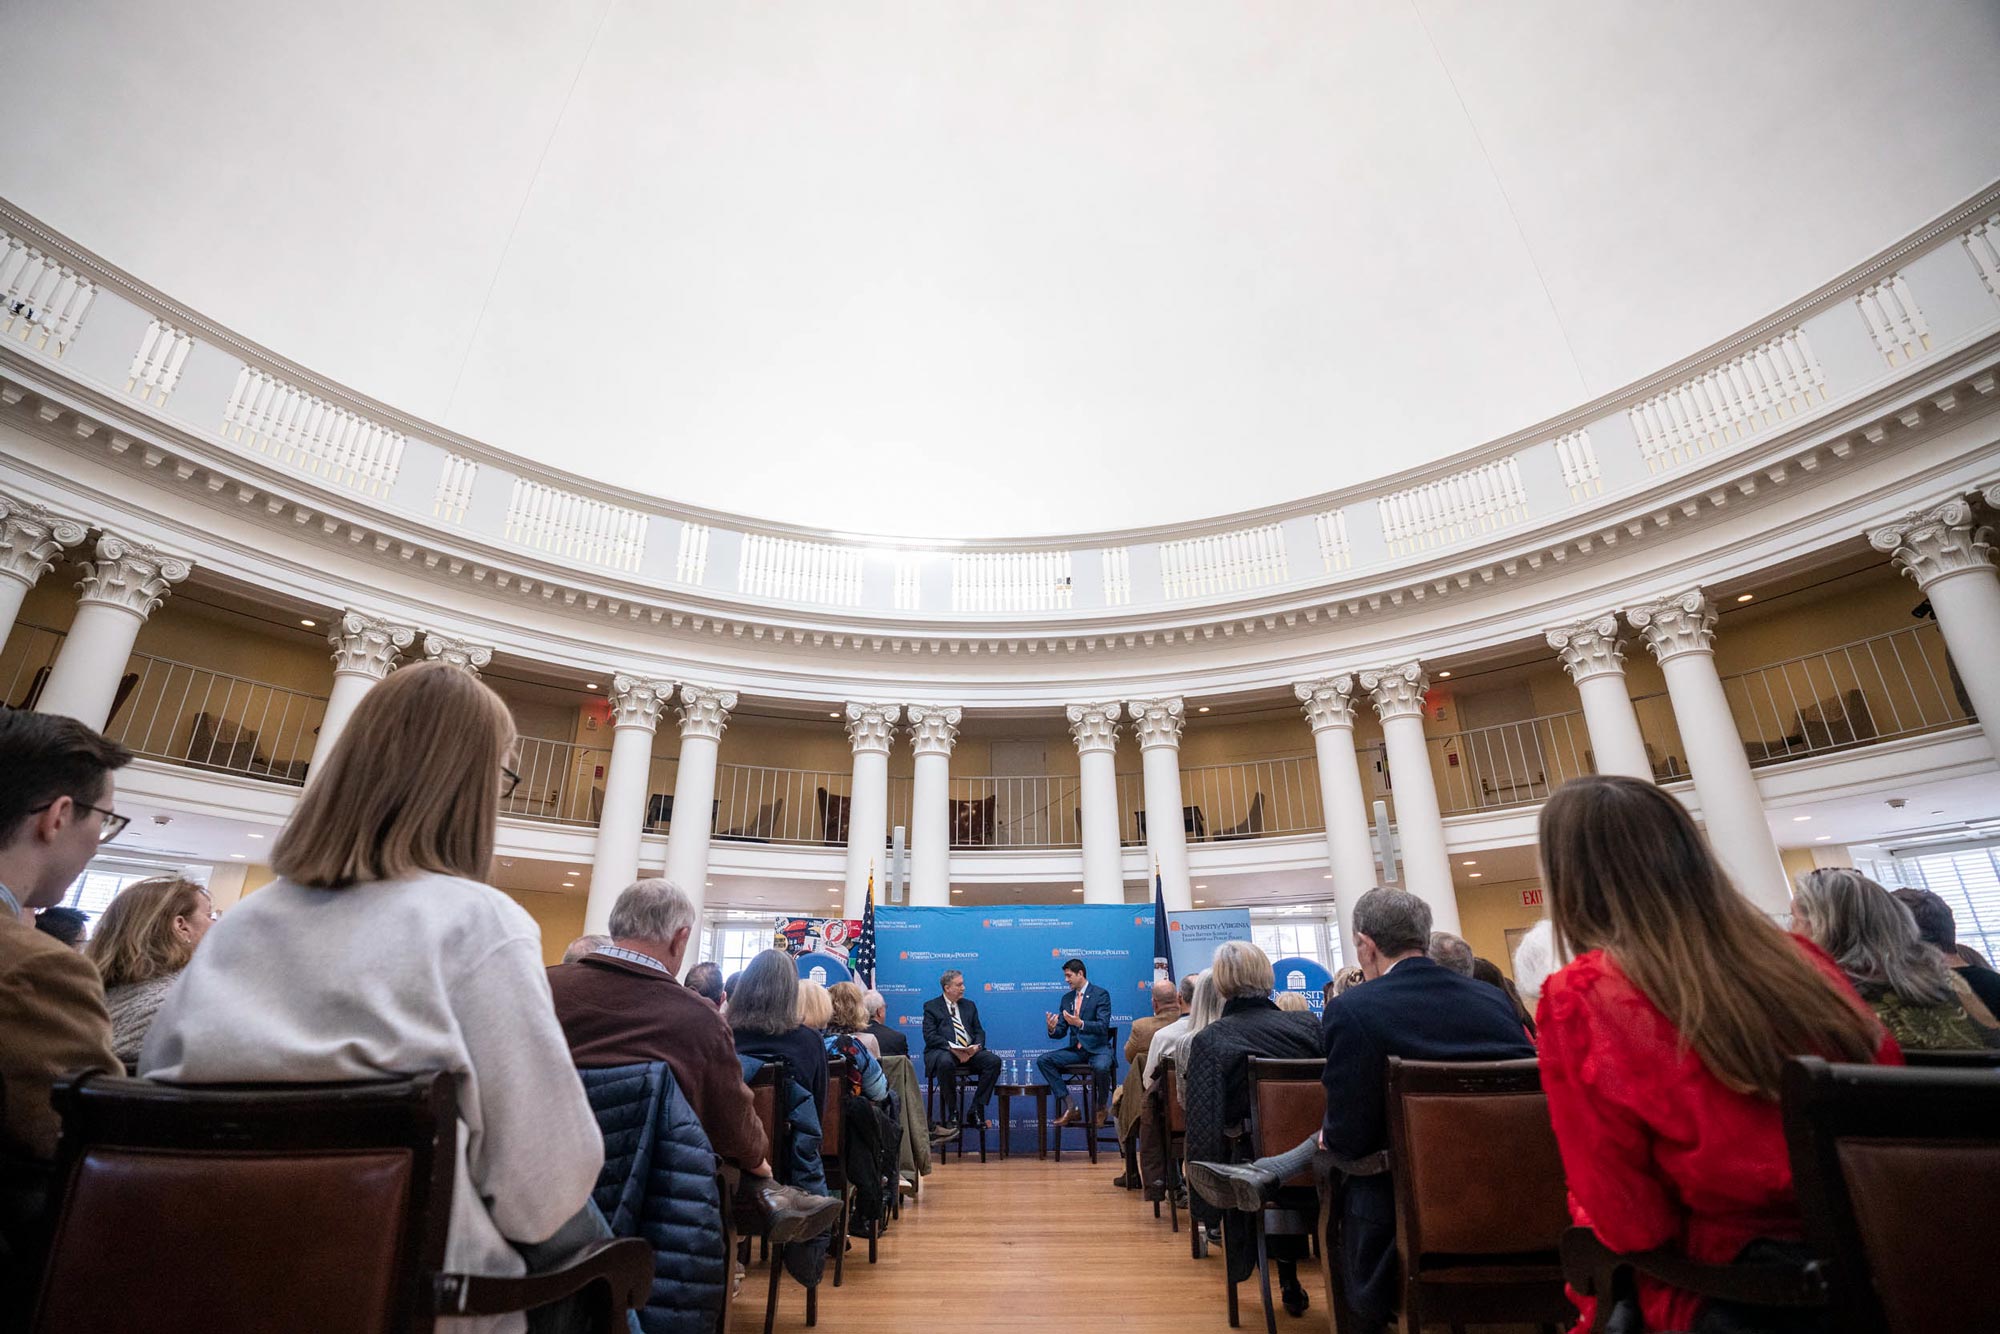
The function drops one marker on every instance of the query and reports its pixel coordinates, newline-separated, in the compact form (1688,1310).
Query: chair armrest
(1595,1270)
(624,1265)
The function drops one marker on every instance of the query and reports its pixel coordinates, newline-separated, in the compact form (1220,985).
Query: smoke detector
(1897,803)
(163,820)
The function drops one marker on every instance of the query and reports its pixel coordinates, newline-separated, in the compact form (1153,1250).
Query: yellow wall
(1485,913)
(560,917)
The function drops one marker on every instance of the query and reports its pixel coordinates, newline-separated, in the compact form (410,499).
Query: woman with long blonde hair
(1662,1039)
(380,951)
(143,941)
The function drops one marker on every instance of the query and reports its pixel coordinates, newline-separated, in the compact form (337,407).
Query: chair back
(833,1124)
(767,1091)
(1170,1096)
(1897,1170)
(320,1210)
(1977,1058)
(1287,1107)
(1474,1161)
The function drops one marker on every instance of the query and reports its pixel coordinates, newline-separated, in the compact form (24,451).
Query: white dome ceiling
(991,269)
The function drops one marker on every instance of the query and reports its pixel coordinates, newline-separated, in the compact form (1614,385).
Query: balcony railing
(759,804)
(204,719)
(1006,812)
(561,781)
(1509,764)
(1892,685)
(25,660)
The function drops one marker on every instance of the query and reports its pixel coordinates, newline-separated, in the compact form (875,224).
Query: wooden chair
(1170,1124)
(1974,1059)
(937,1094)
(1897,1171)
(767,1093)
(832,1153)
(1086,1074)
(1287,1107)
(318,1209)
(1481,1205)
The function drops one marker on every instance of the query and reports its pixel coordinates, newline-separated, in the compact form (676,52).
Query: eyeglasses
(113,825)
(513,781)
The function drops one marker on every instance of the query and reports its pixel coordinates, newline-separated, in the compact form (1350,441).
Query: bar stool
(934,1102)
(1085,1073)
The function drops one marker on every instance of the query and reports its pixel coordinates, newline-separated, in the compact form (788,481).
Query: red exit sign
(1531,898)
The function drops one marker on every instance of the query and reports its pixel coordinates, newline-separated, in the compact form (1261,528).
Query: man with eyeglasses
(55,809)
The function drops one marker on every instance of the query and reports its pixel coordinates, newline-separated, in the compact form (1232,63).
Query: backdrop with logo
(1196,934)
(1012,960)
(1306,977)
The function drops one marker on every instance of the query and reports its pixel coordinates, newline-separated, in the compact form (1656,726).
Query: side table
(1040,1093)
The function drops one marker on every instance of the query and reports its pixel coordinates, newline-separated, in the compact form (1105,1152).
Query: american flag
(863,956)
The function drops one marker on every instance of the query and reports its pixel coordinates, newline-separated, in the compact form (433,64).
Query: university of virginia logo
(904,955)
(1173,926)
(989,986)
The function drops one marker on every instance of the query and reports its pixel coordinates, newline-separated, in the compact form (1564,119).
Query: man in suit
(1084,1022)
(892,1042)
(1407,1006)
(950,1020)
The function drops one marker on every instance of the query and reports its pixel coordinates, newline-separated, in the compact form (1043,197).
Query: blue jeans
(1051,1063)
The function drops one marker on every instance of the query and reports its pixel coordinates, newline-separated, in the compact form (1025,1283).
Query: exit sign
(1531,898)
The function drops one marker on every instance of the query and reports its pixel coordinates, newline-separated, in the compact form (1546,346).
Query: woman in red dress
(1662,1040)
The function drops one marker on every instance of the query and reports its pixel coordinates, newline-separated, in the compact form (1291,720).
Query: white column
(121,586)
(458,653)
(704,713)
(365,649)
(1095,727)
(1594,656)
(1950,555)
(1157,723)
(870,730)
(1329,707)
(31,538)
(933,733)
(1398,693)
(1680,630)
(635,712)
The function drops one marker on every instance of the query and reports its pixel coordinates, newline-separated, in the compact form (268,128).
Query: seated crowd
(1665,1007)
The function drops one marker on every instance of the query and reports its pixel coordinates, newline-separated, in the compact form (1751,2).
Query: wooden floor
(1023,1245)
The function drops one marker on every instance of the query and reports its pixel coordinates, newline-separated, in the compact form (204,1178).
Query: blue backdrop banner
(822,967)
(1196,934)
(1305,977)
(1012,960)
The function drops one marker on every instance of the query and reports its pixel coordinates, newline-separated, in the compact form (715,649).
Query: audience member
(1451,952)
(380,951)
(705,981)
(584,945)
(1938,928)
(1292,1002)
(71,926)
(55,810)
(1346,980)
(1168,1037)
(729,986)
(836,1012)
(1487,971)
(1874,940)
(1534,959)
(620,1005)
(1409,1007)
(146,938)
(1204,1008)
(1662,1040)
(1128,1101)
(764,1015)
(1217,1075)
(889,1041)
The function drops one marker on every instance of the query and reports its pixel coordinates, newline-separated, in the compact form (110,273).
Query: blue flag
(1163,941)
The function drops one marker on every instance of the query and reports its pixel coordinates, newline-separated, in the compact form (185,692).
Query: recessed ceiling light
(1800,819)
(310,625)
(1475,875)
(1202,709)
(1443,675)
(1824,838)
(1327,876)
(260,835)
(237,855)
(958,891)
(1199,902)
(1745,597)
(591,685)
(1470,862)
(1077,889)
(833,715)
(1201,886)
(758,897)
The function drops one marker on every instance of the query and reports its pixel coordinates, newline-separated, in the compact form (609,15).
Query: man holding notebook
(955,1048)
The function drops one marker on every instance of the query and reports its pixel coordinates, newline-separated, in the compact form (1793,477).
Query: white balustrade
(561,782)
(1578,457)
(691,566)
(1897,325)
(190,715)
(795,571)
(1452,508)
(304,431)
(909,585)
(1010,581)
(1223,562)
(1776,380)
(1335,551)
(1888,685)
(39,294)
(156,368)
(1117,563)
(1983,244)
(454,489)
(576,527)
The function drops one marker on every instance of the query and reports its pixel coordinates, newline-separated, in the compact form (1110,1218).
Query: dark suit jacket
(937,1024)
(892,1042)
(1093,1004)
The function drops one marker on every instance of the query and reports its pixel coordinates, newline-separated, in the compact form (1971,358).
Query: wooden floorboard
(1022,1245)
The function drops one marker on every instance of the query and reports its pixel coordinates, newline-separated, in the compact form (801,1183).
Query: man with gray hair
(583,945)
(892,1042)
(620,1005)
(1413,1008)
(1451,952)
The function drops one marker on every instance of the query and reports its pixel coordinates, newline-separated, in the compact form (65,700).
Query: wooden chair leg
(1264,1276)
(840,1237)
(771,1297)
(812,1306)
(874,1235)
(1235,1320)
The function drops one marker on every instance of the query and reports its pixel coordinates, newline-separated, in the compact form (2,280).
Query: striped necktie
(959,1037)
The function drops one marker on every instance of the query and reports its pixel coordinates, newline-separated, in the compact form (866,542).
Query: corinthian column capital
(705,710)
(32,536)
(1945,539)
(872,727)
(365,645)
(1590,648)
(1328,701)
(459,653)
(1680,623)
(1094,726)
(1398,691)
(133,576)
(933,728)
(637,701)
(1158,722)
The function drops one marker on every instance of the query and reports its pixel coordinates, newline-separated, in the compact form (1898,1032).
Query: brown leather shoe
(1070,1116)
(791,1214)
